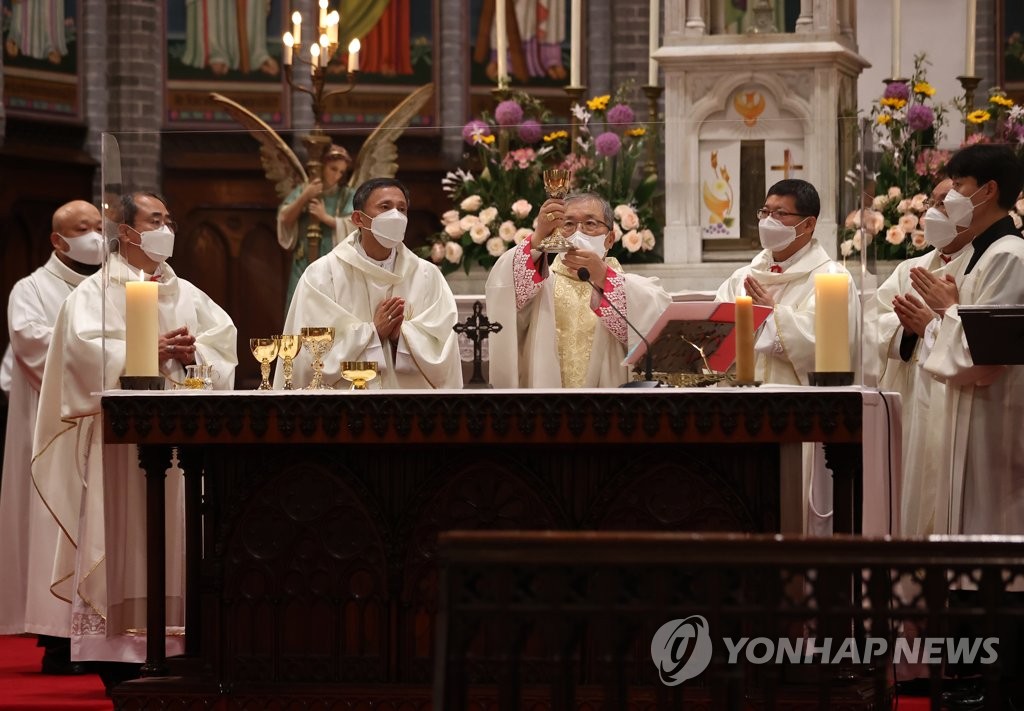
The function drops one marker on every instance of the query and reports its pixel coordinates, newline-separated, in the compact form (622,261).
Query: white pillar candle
(353,55)
(142,335)
(895,39)
(653,40)
(501,39)
(831,323)
(972,22)
(744,329)
(575,43)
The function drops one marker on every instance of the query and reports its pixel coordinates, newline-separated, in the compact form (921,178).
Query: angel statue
(320,200)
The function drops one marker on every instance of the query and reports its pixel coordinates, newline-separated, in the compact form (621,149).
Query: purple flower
(530,131)
(620,114)
(476,127)
(897,90)
(607,144)
(508,113)
(920,117)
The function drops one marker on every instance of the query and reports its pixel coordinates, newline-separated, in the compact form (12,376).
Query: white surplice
(96,492)
(981,450)
(785,350)
(343,289)
(559,316)
(28,533)
(917,388)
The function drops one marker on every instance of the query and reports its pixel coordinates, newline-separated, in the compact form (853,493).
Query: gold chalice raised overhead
(556,184)
(359,372)
(318,340)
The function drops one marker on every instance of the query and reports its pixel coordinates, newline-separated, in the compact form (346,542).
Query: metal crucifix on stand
(477,327)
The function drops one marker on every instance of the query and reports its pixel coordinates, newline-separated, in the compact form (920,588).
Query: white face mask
(85,249)
(590,243)
(158,245)
(939,230)
(960,208)
(776,236)
(389,228)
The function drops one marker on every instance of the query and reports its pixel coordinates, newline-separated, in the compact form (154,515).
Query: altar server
(28,533)
(559,331)
(96,492)
(386,304)
(978,449)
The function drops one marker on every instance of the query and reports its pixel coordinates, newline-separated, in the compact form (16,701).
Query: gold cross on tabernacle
(787,165)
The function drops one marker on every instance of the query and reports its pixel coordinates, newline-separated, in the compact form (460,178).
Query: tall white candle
(972,22)
(297,27)
(501,37)
(323,15)
(575,42)
(831,323)
(353,55)
(141,333)
(895,39)
(314,54)
(653,40)
(289,44)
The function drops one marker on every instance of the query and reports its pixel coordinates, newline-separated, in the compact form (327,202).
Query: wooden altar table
(312,518)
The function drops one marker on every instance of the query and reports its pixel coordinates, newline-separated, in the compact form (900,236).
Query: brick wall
(94,68)
(985,48)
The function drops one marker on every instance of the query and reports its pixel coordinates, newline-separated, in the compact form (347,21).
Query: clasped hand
(178,345)
(757,293)
(914,316)
(388,319)
(938,294)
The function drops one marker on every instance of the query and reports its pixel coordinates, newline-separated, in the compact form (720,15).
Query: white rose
(479,233)
(454,230)
(647,239)
(521,234)
(895,193)
(629,220)
(469,222)
(496,246)
(449,217)
(436,252)
(1016,219)
(908,222)
(521,209)
(507,230)
(453,252)
(917,203)
(488,214)
(880,202)
(621,210)
(903,206)
(917,239)
(632,241)
(846,247)
(858,240)
(895,235)
(618,232)
(472,203)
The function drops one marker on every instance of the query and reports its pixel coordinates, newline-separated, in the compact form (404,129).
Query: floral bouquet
(892,223)
(496,206)
(1001,121)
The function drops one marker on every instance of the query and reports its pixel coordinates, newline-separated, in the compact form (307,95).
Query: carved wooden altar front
(312,519)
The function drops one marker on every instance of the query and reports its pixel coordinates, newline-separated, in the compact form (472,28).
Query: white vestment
(918,390)
(982,450)
(96,492)
(785,350)
(28,533)
(343,289)
(525,353)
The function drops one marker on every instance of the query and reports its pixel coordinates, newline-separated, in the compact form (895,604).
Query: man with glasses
(559,331)
(95,491)
(781,276)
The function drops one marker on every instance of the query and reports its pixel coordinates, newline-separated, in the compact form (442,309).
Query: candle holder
(653,94)
(575,94)
(830,379)
(142,382)
(970,85)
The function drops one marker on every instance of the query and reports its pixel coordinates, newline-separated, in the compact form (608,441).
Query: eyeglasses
(590,227)
(155,223)
(777,214)
(929,203)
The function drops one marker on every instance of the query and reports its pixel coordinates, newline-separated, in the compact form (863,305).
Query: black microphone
(648,382)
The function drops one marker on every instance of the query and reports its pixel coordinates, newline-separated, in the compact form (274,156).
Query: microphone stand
(648,382)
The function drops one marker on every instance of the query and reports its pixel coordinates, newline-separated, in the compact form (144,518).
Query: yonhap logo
(681,649)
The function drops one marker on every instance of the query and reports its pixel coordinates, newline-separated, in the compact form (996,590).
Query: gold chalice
(359,372)
(556,184)
(318,340)
(264,350)
(287,348)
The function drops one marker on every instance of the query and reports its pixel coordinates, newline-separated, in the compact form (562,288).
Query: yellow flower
(1001,101)
(555,135)
(883,119)
(599,103)
(480,138)
(923,87)
(638,131)
(894,103)
(979,116)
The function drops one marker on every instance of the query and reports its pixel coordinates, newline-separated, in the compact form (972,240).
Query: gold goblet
(287,348)
(359,372)
(318,340)
(264,350)
(556,184)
